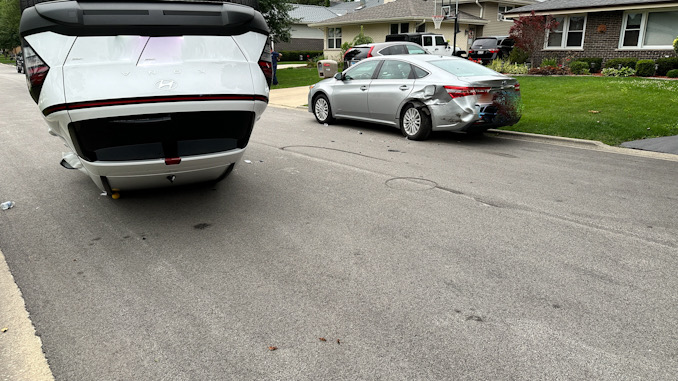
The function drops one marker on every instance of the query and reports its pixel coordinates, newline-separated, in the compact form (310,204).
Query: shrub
(549,70)
(579,67)
(293,55)
(516,68)
(645,68)
(615,63)
(518,56)
(497,65)
(623,72)
(549,62)
(672,73)
(666,64)
(595,64)
(675,45)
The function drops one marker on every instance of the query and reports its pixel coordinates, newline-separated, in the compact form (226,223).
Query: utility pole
(456,27)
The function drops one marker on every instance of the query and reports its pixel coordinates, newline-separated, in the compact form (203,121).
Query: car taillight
(471,51)
(462,91)
(516,87)
(369,54)
(493,50)
(265,63)
(36,71)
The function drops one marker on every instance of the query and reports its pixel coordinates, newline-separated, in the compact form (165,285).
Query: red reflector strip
(326,64)
(172,160)
(461,91)
(516,87)
(131,101)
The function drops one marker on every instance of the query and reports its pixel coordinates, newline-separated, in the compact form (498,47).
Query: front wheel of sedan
(414,123)
(322,109)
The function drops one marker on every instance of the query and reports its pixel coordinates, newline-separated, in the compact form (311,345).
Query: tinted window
(463,68)
(485,43)
(395,49)
(413,49)
(428,41)
(362,70)
(356,54)
(394,70)
(440,40)
(419,72)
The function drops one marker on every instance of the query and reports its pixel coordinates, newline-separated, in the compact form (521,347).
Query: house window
(569,34)
(503,8)
(403,27)
(333,38)
(421,28)
(652,30)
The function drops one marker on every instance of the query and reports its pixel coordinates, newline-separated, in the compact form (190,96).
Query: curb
(584,144)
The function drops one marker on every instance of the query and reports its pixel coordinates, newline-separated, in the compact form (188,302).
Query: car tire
(415,124)
(322,109)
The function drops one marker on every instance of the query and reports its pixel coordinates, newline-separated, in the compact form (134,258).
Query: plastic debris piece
(4,329)
(338,342)
(248,161)
(7,205)
(322,339)
(115,195)
(103,193)
(325,124)
(272,348)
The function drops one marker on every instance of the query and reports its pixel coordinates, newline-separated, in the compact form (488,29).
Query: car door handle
(363,88)
(404,87)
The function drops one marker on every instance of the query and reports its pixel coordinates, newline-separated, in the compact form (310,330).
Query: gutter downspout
(482,9)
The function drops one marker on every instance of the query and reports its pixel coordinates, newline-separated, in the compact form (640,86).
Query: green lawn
(612,110)
(6,60)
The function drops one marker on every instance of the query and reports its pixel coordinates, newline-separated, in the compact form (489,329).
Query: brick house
(476,18)
(644,29)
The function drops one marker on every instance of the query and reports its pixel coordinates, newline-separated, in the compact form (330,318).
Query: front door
(349,97)
(389,89)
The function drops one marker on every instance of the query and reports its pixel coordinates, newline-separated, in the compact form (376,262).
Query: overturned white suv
(148,94)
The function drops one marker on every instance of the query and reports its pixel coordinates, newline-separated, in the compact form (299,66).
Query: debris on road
(7,205)
(272,348)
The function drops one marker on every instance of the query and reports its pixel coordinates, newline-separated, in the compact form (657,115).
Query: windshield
(463,68)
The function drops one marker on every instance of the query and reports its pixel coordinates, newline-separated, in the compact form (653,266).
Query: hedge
(595,63)
(672,73)
(614,63)
(645,68)
(293,55)
(666,64)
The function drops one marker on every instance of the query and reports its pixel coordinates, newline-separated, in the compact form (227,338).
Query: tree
(10,15)
(276,14)
(359,39)
(528,32)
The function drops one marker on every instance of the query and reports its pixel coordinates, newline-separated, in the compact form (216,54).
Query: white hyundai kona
(148,94)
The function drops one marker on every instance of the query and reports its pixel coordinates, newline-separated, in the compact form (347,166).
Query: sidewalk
(292,97)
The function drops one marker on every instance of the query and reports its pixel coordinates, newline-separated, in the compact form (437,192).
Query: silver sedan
(419,94)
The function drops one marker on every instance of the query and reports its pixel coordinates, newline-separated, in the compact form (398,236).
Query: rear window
(463,68)
(484,42)
(356,54)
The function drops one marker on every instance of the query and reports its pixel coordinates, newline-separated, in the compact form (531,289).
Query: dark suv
(490,48)
(360,52)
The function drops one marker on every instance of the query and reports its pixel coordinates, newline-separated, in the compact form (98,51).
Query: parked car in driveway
(360,52)
(490,48)
(419,94)
(148,94)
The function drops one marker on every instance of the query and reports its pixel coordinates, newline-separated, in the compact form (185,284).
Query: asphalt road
(455,258)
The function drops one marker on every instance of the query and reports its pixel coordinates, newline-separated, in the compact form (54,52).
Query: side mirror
(339,77)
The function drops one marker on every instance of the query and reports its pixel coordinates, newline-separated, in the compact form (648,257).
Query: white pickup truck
(432,42)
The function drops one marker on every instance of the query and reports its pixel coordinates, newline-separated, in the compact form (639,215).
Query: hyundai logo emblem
(166,84)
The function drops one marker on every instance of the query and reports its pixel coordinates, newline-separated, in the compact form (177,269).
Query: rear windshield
(356,54)
(463,68)
(484,42)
